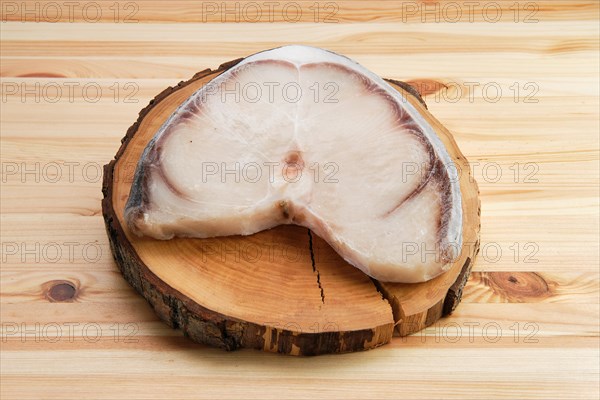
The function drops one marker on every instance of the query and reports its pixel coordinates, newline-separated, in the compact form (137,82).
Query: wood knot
(518,286)
(427,87)
(60,291)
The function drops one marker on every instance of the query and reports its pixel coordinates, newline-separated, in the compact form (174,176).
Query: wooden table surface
(515,81)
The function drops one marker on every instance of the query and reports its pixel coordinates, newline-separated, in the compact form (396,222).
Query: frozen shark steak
(300,135)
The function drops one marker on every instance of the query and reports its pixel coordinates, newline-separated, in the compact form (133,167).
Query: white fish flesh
(300,135)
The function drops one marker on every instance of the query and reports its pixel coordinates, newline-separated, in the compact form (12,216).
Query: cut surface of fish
(300,135)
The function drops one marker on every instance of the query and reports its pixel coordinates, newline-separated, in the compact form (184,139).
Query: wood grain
(145,11)
(559,212)
(245,302)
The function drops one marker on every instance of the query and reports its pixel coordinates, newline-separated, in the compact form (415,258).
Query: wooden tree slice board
(282,290)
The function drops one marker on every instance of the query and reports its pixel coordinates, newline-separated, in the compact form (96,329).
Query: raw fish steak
(300,135)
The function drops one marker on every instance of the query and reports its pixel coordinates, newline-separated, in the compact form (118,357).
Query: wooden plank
(108,286)
(523,287)
(495,373)
(437,43)
(418,11)
(150,335)
(230,34)
(31,241)
(467,67)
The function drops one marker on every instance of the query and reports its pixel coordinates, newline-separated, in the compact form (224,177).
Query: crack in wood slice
(315,269)
(273,304)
